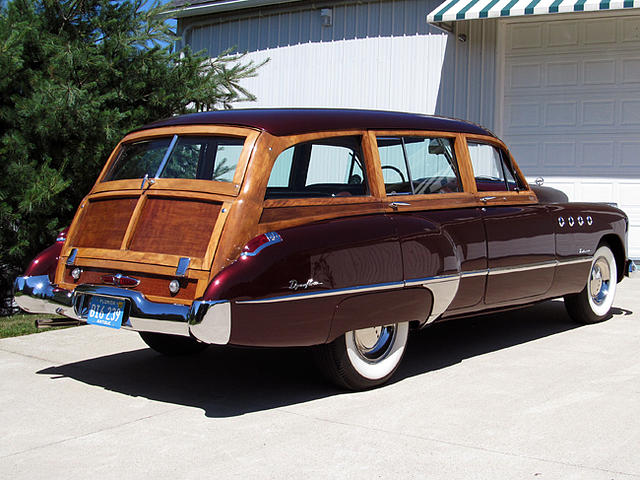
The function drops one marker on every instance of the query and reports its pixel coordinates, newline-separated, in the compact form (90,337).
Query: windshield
(189,157)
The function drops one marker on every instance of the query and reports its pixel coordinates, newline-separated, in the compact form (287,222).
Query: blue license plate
(106,312)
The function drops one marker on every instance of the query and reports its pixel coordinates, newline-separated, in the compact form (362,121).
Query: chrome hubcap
(599,281)
(374,343)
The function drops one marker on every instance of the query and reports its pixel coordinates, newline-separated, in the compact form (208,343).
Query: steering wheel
(395,169)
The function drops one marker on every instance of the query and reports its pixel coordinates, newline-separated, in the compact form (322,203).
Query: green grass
(22,324)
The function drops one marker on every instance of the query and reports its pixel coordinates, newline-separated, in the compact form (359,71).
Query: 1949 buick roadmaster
(338,229)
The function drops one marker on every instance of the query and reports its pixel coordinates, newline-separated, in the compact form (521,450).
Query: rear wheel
(172,344)
(593,303)
(364,358)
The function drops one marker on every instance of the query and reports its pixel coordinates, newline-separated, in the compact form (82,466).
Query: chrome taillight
(257,244)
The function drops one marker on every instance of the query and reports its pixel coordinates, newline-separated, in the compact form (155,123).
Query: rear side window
(418,165)
(492,169)
(320,168)
(188,157)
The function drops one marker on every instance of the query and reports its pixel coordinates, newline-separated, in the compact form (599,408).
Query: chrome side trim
(210,322)
(443,291)
(326,293)
(425,282)
(522,268)
(575,260)
(474,273)
(430,280)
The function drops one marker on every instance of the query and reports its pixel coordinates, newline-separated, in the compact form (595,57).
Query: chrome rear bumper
(208,321)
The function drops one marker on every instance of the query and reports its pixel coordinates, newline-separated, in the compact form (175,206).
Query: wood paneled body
(175,226)
(105,222)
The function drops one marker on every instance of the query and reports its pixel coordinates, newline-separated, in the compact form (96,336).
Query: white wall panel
(377,54)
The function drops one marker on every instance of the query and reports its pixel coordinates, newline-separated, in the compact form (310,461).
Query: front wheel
(593,303)
(172,345)
(364,358)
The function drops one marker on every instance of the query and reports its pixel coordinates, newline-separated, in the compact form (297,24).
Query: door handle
(395,205)
(486,199)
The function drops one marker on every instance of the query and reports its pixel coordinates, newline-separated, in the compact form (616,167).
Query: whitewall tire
(593,304)
(364,358)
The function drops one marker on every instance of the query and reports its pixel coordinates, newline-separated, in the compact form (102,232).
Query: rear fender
(46,262)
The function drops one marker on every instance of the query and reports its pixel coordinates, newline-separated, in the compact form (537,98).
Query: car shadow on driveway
(228,381)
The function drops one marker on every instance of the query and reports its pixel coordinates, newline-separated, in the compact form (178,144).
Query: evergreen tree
(75,76)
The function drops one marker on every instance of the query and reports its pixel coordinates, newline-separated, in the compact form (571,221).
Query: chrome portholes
(599,281)
(375,343)
(580,220)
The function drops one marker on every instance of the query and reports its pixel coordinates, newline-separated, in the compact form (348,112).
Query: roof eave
(219,6)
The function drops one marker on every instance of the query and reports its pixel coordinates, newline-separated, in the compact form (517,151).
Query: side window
(418,165)
(330,167)
(491,168)
(394,166)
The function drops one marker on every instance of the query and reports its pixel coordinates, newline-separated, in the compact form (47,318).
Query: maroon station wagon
(337,229)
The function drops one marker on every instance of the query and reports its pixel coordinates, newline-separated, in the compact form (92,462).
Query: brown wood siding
(104,222)
(175,226)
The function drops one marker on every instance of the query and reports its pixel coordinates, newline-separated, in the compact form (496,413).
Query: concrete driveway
(524,394)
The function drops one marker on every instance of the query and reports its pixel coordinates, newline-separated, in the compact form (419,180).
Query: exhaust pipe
(57,322)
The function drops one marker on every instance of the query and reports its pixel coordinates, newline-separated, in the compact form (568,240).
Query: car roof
(291,121)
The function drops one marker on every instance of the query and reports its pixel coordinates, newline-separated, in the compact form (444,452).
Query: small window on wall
(492,169)
(418,165)
(330,167)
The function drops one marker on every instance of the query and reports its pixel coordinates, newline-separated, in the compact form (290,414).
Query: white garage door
(571,108)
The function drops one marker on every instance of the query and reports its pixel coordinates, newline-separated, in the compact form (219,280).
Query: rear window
(189,157)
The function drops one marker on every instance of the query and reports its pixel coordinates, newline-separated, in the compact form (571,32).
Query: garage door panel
(598,34)
(618,116)
(630,112)
(571,108)
(564,152)
(631,70)
(600,113)
(630,157)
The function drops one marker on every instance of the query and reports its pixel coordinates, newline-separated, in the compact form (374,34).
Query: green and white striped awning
(452,10)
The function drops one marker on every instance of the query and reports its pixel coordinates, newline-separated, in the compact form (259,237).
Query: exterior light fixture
(326,14)
(174,286)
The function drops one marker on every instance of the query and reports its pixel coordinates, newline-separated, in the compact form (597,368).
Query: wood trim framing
(243,211)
